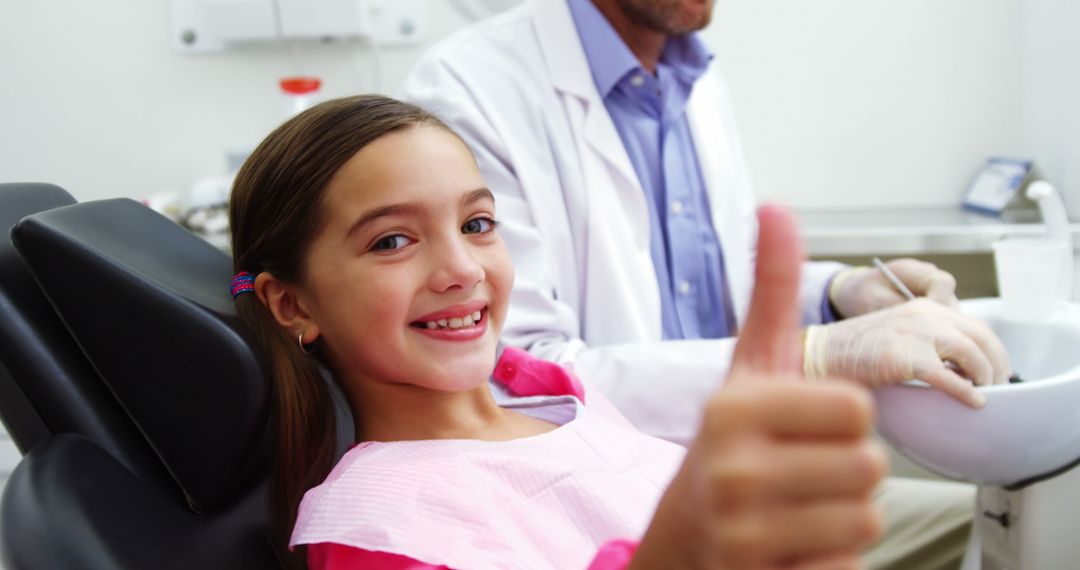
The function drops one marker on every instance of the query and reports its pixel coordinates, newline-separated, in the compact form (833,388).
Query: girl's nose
(455,267)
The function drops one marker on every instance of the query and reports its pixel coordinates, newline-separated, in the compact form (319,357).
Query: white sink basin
(1025,431)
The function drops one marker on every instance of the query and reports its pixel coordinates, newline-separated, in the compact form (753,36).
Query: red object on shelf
(300,85)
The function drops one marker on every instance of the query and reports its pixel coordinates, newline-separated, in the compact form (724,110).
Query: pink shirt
(578,496)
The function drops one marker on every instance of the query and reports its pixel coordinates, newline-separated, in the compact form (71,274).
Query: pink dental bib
(545,502)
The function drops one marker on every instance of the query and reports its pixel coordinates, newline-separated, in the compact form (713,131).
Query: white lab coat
(518,90)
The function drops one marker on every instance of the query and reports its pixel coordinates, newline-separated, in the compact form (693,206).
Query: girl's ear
(285,305)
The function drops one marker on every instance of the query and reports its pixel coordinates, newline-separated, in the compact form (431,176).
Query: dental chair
(134,391)
(47,386)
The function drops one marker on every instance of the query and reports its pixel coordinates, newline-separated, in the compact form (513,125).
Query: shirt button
(637,80)
(684,288)
(676,207)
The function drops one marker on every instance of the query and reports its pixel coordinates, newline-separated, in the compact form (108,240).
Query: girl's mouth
(454,326)
(468,320)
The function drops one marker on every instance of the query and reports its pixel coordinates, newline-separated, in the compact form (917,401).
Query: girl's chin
(460,353)
(463,376)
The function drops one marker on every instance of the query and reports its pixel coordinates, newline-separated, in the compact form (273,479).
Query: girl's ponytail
(304,427)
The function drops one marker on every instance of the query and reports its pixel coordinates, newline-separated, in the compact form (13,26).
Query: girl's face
(407,281)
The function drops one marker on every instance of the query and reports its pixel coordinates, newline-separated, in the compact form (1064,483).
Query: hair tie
(242,283)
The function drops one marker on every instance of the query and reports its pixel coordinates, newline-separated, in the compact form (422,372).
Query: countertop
(914,230)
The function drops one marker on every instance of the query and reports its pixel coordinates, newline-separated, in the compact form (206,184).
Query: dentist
(608,136)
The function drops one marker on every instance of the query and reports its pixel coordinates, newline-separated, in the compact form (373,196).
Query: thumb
(769,341)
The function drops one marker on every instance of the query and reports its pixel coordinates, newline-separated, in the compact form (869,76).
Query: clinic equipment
(301,91)
(1051,208)
(211,26)
(141,402)
(1035,274)
(1020,448)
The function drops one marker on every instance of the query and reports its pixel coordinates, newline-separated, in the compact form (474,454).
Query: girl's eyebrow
(402,209)
(411,209)
(478,194)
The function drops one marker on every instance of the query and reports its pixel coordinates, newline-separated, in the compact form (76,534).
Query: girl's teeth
(455,322)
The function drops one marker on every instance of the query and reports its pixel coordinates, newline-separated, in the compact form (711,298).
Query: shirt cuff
(828,314)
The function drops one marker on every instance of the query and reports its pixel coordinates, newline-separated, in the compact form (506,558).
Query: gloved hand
(920,339)
(859,290)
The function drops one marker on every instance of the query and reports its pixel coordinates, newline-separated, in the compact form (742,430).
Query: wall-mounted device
(201,26)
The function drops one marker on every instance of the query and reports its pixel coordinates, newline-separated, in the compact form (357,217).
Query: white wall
(94,98)
(871,103)
(1051,102)
(842,103)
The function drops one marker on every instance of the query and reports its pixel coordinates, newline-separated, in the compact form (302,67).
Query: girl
(366,241)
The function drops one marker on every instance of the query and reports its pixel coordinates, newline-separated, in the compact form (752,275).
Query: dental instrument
(893,279)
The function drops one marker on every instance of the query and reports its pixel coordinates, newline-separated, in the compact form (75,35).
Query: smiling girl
(366,241)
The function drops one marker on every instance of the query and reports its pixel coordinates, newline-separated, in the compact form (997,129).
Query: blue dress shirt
(649,112)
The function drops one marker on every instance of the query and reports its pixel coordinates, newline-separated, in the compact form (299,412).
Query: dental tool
(893,279)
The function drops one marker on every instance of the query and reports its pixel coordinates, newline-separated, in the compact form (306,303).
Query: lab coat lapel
(603,140)
(617,245)
(732,215)
(571,77)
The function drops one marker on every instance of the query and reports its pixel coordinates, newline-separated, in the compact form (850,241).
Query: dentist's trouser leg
(927,524)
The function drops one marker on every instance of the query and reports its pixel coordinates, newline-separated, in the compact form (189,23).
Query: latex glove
(920,339)
(860,290)
(782,472)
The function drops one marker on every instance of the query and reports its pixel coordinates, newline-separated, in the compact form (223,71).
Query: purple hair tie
(242,283)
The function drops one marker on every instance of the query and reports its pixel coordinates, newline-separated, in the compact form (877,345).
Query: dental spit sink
(1024,433)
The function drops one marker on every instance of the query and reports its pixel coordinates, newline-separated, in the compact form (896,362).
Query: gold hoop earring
(304,347)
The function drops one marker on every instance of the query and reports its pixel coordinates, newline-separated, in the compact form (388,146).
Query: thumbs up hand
(781,473)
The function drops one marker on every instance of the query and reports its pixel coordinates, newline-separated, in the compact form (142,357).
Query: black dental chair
(47,385)
(133,390)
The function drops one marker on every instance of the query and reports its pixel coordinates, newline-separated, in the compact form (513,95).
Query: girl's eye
(479,226)
(390,243)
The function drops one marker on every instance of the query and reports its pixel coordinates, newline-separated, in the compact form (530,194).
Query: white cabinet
(202,26)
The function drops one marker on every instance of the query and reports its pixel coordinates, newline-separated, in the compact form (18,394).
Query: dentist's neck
(646,43)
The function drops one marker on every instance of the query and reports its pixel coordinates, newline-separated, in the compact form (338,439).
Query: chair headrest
(148,303)
(50,386)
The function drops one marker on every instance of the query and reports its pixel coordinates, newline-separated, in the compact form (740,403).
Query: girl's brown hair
(274,213)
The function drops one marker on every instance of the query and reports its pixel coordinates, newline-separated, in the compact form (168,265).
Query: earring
(304,347)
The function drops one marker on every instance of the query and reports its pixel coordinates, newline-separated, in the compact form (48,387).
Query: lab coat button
(684,288)
(637,80)
(676,207)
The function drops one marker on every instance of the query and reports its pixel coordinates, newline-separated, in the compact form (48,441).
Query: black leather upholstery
(25,316)
(147,305)
(71,505)
(47,385)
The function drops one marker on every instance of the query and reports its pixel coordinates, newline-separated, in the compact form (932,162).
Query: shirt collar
(687,56)
(610,59)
